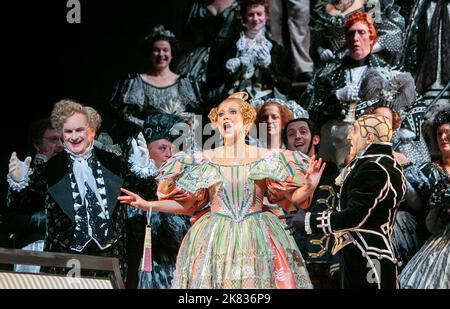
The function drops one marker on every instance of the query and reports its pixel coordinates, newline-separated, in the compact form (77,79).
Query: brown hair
(245,4)
(156,36)
(285,113)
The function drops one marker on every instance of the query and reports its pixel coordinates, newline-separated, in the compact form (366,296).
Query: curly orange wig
(285,113)
(247,111)
(362,18)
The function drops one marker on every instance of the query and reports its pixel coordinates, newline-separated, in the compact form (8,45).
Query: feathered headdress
(388,88)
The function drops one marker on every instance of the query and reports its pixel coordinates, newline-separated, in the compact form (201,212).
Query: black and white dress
(203,31)
(430,267)
(134,99)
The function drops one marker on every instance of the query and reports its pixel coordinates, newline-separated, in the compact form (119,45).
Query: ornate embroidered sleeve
(192,202)
(186,179)
(420,177)
(284,174)
(280,192)
(126,95)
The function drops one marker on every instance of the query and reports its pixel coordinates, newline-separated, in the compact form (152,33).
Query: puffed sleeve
(423,178)
(283,173)
(187,179)
(417,176)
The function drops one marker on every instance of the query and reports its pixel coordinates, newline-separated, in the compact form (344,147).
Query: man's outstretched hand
(295,221)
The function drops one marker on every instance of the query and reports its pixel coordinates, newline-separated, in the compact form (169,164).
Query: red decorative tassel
(147,255)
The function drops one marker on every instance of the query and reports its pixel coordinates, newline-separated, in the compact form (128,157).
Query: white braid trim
(308,223)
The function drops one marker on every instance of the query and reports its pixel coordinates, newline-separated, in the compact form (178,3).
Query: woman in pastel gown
(235,244)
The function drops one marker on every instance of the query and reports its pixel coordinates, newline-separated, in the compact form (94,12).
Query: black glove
(295,221)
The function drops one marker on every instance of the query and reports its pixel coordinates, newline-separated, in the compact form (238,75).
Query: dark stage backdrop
(45,59)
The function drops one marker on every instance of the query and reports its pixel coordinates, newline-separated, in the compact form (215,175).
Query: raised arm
(168,206)
(19,171)
(312,178)
(300,191)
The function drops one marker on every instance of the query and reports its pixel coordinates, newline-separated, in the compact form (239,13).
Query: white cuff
(149,170)
(307,223)
(21,185)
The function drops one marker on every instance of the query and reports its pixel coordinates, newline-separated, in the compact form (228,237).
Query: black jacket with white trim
(370,194)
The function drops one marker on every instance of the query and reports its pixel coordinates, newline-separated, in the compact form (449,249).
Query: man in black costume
(302,135)
(372,186)
(81,185)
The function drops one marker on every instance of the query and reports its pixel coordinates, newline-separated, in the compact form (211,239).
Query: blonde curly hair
(247,111)
(67,108)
